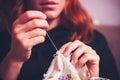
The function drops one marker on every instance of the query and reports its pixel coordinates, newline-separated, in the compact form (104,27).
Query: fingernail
(45,16)
(61,50)
(65,54)
(74,62)
(58,52)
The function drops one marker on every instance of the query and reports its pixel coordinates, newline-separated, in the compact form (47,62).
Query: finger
(81,50)
(35,32)
(89,50)
(31,14)
(77,54)
(36,40)
(35,23)
(89,59)
(74,45)
(92,62)
(62,49)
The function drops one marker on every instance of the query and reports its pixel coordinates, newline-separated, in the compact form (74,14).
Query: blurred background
(106,17)
(106,12)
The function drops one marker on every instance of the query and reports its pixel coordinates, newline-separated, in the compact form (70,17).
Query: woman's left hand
(82,54)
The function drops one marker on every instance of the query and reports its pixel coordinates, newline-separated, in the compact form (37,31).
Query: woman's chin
(50,15)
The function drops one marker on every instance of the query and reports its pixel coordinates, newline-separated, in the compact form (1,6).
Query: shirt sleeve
(108,67)
(1,78)
(5,41)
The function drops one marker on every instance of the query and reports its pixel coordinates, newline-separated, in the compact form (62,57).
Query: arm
(27,31)
(108,67)
(107,63)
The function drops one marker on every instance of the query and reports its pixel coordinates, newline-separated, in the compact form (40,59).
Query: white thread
(52,42)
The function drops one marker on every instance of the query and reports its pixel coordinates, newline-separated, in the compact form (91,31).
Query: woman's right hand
(28,30)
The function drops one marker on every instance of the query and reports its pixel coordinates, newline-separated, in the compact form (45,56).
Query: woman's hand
(27,31)
(82,54)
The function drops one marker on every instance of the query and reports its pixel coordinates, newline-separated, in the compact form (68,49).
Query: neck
(53,23)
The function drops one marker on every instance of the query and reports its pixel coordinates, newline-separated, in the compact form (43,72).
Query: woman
(29,52)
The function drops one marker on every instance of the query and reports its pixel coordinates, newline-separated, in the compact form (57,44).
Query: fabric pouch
(62,69)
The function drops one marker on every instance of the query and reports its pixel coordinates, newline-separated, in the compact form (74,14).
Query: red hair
(73,16)
(77,19)
(10,12)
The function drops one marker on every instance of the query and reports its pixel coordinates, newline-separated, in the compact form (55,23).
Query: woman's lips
(48,4)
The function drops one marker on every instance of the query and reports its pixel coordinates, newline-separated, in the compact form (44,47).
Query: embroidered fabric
(62,69)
